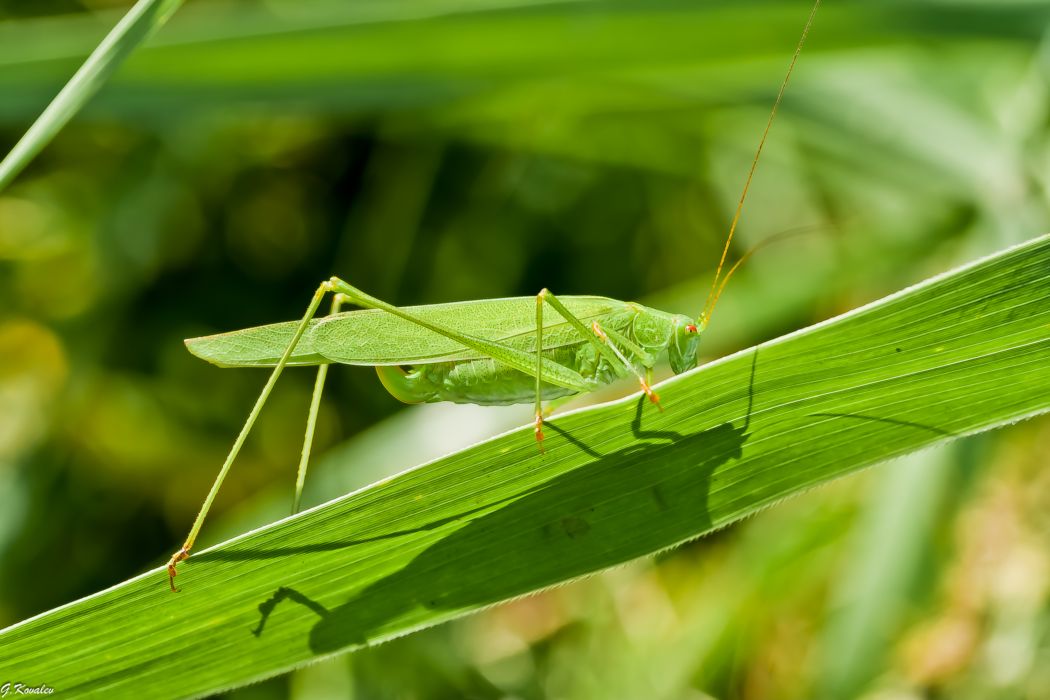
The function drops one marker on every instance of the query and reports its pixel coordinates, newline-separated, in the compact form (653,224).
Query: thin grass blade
(139,23)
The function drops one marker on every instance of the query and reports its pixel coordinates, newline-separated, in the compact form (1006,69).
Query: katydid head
(684,346)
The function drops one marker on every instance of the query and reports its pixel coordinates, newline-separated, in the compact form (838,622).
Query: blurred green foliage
(433,150)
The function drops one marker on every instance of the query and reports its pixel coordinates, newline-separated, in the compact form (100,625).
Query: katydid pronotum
(488,352)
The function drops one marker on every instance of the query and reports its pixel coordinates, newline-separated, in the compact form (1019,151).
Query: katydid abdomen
(487,382)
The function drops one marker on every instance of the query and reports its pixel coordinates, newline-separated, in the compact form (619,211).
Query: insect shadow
(569,518)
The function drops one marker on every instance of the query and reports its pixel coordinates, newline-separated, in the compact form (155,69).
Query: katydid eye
(690,328)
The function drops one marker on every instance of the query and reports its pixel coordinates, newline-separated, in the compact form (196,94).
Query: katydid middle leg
(645,381)
(542,368)
(596,338)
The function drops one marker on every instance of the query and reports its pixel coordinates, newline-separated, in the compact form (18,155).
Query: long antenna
(716,288)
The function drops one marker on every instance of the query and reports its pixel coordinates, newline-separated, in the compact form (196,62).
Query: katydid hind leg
(184,551)
(311,418)
(523,361)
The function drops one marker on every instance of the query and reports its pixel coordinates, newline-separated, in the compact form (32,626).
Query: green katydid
(488,352)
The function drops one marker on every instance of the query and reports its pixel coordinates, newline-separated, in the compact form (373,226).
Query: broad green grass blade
(142,20)
(337,55)
(956,355)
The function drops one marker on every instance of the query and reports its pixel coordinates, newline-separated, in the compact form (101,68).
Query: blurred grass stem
(138,24)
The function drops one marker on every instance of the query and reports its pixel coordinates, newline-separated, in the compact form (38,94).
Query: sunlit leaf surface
(956,355)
